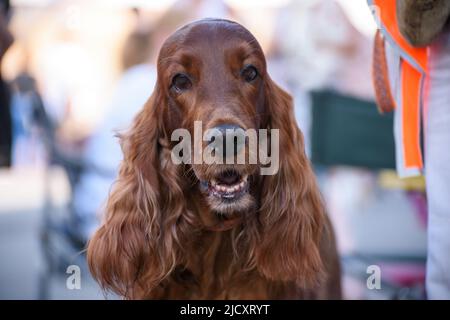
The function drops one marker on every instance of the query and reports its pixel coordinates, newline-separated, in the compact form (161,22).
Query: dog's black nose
(227,138)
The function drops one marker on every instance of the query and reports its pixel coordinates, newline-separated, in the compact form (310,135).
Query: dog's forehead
(211,33)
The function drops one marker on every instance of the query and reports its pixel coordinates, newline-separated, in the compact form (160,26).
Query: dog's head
(212,74)
(213,106)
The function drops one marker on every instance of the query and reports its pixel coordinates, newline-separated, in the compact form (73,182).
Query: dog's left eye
(181,82)
(249,73)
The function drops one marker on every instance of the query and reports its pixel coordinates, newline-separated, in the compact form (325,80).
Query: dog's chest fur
(211,273)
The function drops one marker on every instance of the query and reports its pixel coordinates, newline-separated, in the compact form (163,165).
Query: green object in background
(350,131)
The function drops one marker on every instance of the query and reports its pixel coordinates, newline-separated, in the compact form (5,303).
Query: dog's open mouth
(228,185)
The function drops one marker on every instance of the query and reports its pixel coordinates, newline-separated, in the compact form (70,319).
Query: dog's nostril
(227,138)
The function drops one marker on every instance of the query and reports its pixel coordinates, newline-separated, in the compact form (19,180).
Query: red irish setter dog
(214,231)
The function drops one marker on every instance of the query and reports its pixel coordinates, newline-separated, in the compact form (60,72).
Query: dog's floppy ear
(291,214)
(137,245)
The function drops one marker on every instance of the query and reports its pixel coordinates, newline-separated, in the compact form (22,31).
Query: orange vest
(409,102)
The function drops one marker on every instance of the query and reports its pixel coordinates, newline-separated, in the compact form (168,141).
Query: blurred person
(103,154)
(6,39)
(336,58)
(73,57)
(21,115)
(412,77)
(29,121)
(21,110)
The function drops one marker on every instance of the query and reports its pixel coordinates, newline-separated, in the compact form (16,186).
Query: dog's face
(213,72)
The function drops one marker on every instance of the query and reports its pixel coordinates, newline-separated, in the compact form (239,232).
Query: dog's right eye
(180,83)
(249,73)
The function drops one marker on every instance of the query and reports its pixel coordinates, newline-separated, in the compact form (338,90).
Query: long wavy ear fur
(291,214)
(138,244)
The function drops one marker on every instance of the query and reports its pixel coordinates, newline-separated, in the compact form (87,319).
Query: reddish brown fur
(155,243)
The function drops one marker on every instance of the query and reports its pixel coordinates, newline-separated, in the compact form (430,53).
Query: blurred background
(77,72)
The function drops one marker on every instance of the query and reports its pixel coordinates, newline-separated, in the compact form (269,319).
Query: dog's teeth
(227,190)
